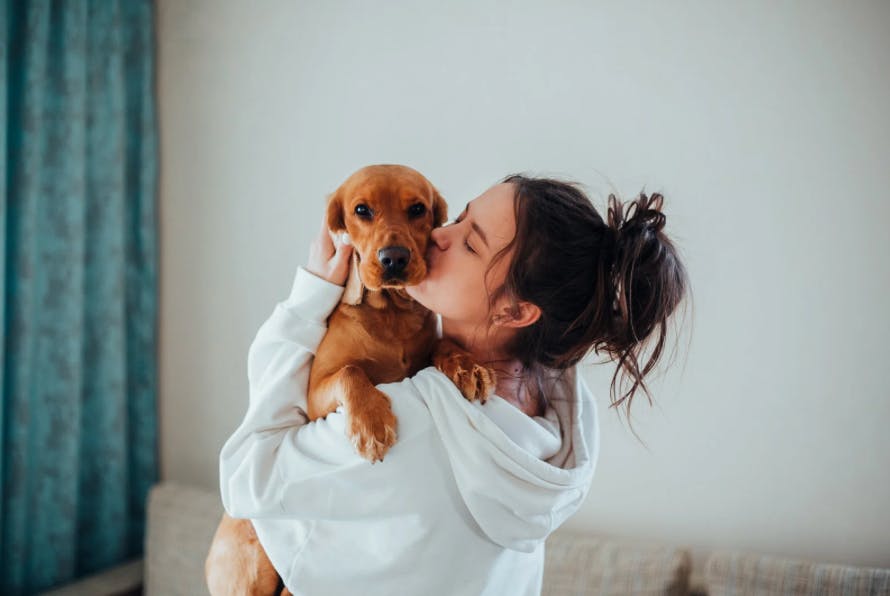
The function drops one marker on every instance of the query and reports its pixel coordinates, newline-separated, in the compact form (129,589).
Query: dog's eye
(363,211)
(417,209)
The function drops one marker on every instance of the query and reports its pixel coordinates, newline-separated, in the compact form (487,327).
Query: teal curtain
(78,422)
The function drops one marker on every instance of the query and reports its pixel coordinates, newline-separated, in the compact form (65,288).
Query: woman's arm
(278,364)
(277,464)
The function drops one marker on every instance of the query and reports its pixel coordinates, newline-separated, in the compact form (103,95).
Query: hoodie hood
(516,498)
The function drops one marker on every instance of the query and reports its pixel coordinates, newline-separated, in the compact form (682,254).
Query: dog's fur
(377,334)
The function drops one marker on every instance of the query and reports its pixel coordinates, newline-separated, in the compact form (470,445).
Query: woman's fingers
(329,259)
(340,262)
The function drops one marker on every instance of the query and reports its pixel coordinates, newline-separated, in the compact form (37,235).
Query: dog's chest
(399,331)
(396,343)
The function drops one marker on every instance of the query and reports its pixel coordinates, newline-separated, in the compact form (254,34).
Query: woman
(529,279)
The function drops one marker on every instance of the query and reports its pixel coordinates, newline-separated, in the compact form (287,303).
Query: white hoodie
(461,504)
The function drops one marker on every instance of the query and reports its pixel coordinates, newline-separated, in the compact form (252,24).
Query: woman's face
(459,254)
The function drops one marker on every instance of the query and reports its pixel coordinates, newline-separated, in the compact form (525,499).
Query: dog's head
(388,211)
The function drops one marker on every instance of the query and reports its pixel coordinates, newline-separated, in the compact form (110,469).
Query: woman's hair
(609,286)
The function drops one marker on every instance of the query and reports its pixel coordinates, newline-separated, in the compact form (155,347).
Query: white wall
(764,125)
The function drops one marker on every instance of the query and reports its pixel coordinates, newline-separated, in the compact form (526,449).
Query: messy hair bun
(647,280)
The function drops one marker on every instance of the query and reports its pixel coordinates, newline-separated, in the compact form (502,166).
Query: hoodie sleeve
(278,363)
(277,463)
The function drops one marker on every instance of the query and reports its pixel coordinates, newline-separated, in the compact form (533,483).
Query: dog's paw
(473,380)
(371,425)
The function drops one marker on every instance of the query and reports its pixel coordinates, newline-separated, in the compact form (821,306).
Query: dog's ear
(440,209)
(336,221)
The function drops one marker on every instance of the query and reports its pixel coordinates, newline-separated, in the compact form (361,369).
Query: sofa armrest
(122,580)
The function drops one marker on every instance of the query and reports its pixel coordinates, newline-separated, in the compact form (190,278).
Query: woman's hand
(326,260)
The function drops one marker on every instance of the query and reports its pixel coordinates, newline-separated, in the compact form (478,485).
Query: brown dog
(377,334)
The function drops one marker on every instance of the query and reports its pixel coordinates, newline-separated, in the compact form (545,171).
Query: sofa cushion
(580,564)
(181,523)
(736,573)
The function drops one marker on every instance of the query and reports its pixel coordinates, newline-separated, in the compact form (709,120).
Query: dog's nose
(394,259)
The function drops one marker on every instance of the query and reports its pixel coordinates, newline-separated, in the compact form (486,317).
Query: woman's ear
(440,209)
(336,221)
(525,314)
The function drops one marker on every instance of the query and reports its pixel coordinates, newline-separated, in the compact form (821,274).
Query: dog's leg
(473,380)
(237,563)
(370,422)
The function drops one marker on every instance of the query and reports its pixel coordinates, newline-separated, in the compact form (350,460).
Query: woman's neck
(515,386)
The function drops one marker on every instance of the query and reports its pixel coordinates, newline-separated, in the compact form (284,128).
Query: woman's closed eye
(467,244)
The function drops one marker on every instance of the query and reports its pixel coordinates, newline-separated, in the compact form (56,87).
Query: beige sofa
(182,520)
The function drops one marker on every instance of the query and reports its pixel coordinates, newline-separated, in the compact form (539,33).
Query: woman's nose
(439,237)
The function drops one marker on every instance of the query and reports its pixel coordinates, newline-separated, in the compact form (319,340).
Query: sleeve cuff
(312,297)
